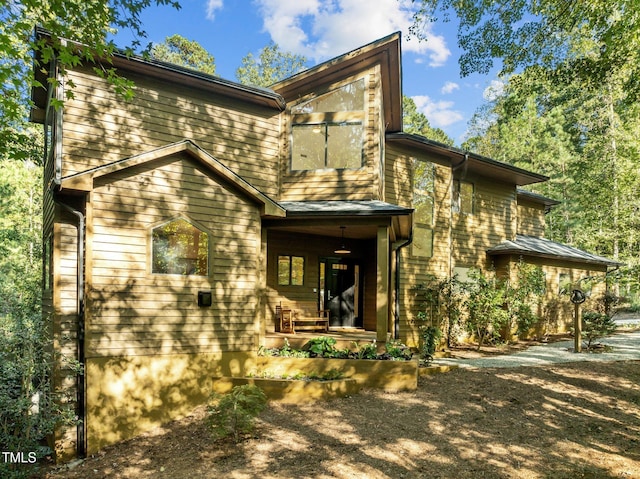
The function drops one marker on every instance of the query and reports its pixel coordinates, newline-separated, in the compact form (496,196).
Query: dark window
(290,270)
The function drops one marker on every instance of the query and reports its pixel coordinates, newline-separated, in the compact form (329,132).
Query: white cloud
(439,113)
(494,90)
(321,29)
(212,6)
(449,87)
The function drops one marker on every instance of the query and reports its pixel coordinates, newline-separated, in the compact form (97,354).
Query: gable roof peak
(84,181)
(385,52)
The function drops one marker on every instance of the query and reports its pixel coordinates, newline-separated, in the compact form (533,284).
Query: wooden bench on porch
(294,320)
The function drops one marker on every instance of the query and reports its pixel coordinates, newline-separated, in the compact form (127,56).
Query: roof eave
(194,79)
(537,198)
(458,158)
(537,254)
(174,73)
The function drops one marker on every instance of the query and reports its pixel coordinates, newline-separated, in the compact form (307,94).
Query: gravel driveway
(624,346)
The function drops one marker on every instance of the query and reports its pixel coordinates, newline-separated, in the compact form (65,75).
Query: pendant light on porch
(342,249)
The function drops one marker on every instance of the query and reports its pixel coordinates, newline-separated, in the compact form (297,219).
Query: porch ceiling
(333,230)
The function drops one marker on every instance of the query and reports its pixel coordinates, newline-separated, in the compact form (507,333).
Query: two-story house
(177,222)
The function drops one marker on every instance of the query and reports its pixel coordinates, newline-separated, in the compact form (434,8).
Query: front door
(342,292)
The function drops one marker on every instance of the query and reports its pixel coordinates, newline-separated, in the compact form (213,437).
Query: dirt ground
(578,420)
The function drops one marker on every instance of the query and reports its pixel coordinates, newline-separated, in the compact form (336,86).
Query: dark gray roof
(545,200)
(534,246)
(346,208)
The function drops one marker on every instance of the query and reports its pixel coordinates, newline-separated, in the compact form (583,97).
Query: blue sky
(323,29)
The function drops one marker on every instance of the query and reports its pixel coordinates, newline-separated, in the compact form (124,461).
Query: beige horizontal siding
(100,127)
(492,222)
(324,185)
(135,312)
(398,177)
(531,219)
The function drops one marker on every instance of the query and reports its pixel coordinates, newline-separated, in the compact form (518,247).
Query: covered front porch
(335,259)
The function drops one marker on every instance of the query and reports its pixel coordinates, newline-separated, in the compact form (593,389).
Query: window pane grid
(327,145)
(328,131)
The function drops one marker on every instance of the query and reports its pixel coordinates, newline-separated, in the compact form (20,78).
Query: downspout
(55,188)
(396,313)
(80,327)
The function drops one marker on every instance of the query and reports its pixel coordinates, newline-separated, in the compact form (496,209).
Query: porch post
(382,285)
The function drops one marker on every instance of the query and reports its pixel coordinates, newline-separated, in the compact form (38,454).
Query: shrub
(368,351)
(596,325)
(285,351)
(528,289)
(485,303)
(325,347)
(235,413)
(430,336)
(322,346)
(395,350)
(441,303)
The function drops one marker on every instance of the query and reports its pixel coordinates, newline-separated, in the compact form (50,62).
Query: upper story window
(423,204)
(178,247)
(328,131)
(462,200)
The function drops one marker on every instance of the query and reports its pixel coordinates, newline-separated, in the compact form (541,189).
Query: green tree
(25,360)
(271,66)
(235,412)
(187,53)
(87,24)
(585,137)
(20,237)
(588,39)
(416,123)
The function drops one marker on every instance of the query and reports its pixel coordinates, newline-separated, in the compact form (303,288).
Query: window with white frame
(328,131)
(179,247)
